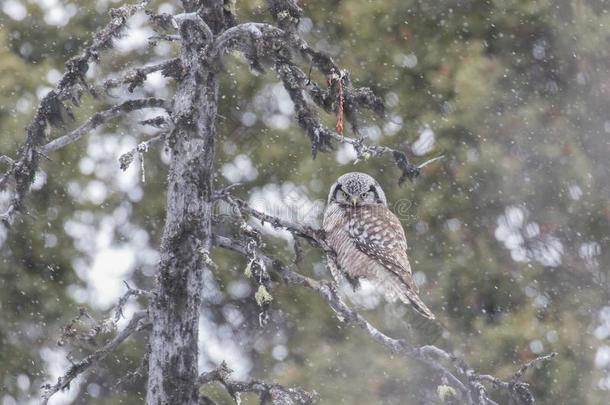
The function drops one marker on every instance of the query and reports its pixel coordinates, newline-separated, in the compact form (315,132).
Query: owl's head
(356,189)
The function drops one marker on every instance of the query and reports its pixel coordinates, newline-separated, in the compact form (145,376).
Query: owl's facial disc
(348,195)
(355,189)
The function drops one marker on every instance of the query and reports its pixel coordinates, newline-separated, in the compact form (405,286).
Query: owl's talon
(354,282)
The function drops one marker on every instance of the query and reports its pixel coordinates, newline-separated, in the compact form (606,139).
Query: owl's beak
(354,201)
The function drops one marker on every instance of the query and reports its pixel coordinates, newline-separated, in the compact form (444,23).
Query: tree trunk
(175,309)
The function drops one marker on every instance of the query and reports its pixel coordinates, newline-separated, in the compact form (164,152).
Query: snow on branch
(274,393)
(463,380)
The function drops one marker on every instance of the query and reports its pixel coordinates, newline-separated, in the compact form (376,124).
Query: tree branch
(294,228)
(101,117)
(52,109)
(275,393)
(94,121)
(467,381)
(126,158)
(260,42)
(93,359)
(118,313)
(136,76)
(517,389)
(244,37)
(344,313)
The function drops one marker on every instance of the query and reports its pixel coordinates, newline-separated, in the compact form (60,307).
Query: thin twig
(292,227)
(93,359)
(224,192)
(101,117)
(163,37)
(136,76)
(126,158)
(52,109)
(429,161)
(258,41)
(277,393)
(118,314)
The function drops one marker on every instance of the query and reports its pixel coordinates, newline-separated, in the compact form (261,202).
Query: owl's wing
(378,233)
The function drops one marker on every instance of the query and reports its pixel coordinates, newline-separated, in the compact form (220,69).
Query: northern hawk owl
(368,238)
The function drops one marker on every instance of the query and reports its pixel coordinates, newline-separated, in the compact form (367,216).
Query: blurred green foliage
(510,231)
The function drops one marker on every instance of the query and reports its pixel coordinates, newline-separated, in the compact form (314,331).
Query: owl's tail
(409,296)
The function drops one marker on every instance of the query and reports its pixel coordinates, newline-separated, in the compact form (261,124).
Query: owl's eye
(364,195)
(340,195)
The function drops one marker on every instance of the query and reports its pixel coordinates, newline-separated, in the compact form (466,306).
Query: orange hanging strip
(339,126)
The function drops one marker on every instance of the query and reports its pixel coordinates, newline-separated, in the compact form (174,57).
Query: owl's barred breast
(351,259)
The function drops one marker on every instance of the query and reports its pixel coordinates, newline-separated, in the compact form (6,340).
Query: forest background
(508,234)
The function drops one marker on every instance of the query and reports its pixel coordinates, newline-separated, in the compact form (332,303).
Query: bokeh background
(508,235)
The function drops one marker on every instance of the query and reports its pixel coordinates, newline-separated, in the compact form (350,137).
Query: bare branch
(101,117)
(94,121)
(163,37)
(126,158)
(292,227)
(93,359)
(168,126)
(275,393)
(223,193)
(345,314)
(135,77)
(52,109)
(430,161)
(118,313)
(295,81)
(517,376)
(517,389)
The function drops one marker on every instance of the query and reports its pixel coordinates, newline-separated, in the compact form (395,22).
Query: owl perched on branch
(368,238)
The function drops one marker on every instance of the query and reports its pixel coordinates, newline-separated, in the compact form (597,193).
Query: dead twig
(275,393)
(93,359)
